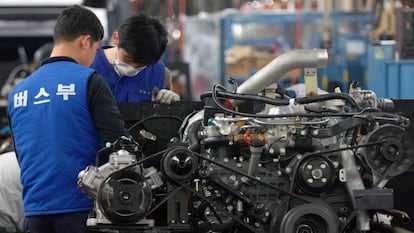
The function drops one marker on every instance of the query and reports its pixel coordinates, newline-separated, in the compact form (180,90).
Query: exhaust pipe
(294,59)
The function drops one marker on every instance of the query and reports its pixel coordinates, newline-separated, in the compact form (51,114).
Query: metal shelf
(277,28)
(348,29)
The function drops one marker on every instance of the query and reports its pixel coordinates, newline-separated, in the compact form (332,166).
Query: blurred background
(369,41)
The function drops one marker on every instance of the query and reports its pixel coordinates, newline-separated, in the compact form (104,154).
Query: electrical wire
(215,98)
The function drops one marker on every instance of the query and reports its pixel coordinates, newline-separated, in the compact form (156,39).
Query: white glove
(165,96)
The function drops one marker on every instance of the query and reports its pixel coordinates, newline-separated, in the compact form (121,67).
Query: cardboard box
(240,69)
(239,61)
(263,60)
(244,61)
(237,53)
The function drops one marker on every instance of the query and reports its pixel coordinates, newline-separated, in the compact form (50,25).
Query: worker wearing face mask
(132,67)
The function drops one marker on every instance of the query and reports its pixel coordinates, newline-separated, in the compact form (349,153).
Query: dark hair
(143,37)
(76,21)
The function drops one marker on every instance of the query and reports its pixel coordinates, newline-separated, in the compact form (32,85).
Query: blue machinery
(389,77)
(349,40)
(391,63)
(284,30)
(352,56)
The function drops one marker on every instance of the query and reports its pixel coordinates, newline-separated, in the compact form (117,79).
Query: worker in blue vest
(60,116)
(132,67)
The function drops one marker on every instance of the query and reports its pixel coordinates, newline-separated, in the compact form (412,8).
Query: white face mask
(123,69)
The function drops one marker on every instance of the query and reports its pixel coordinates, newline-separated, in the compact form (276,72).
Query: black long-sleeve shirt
(102,106)
(104,110)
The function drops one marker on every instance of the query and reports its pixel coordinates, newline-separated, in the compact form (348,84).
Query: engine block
(249,162)
(310,164)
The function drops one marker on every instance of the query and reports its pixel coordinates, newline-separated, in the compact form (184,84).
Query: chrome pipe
(272,72)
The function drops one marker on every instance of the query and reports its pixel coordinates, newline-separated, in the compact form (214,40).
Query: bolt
(392,150)
(302,133)
(343,210)
(317,173)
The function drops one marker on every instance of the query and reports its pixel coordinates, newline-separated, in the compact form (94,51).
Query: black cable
(279,102)
(154,117)
(217,102)
(193,137)
(261,99)
(329,96)
(302,100)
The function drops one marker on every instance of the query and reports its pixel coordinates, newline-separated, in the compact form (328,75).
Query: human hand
(165,96)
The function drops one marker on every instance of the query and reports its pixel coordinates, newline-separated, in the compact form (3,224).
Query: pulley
(179,163)
(125,197)
(309,218)
(315,175)
(389,154)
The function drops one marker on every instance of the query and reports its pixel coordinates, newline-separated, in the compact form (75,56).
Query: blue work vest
(130,89)
(54,136)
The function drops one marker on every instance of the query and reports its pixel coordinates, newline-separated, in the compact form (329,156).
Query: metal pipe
(288,61)
(256,149)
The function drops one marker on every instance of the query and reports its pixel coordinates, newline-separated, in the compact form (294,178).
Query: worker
(11,205)
(132,67)
(60,116)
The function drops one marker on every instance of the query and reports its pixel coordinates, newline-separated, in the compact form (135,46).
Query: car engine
(247,162)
